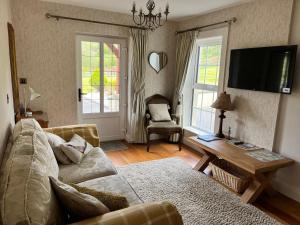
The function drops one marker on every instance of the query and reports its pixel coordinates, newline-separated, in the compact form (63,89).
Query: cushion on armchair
(159,112)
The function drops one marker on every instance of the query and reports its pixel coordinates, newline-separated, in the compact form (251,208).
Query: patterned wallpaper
(46,53)
(260,23)
(46,56)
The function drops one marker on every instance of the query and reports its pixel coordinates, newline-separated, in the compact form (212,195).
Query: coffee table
(260,172)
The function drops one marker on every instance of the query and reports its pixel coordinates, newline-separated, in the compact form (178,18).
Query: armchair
(164,127)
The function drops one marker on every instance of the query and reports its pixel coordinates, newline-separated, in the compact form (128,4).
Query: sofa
(26,196)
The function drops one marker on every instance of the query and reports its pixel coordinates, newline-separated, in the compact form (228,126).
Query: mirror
(158,60)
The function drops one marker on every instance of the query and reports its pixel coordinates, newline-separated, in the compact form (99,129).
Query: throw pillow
(75,148)
(111,200)
(159,112)
(78,205)
(55,141)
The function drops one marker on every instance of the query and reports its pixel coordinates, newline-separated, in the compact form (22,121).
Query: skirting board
(111,138)
(286,189)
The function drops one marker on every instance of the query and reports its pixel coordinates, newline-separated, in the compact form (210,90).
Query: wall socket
(23,80)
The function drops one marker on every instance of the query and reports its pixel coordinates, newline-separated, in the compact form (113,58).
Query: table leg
(256,187)
(204,161)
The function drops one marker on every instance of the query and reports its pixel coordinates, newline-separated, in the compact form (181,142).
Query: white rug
(199,199)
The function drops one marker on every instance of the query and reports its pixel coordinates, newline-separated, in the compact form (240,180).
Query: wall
(6,109)
(258,24)
(287,138)
(46,53)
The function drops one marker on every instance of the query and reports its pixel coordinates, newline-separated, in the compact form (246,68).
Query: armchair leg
(180,140)
(148,141)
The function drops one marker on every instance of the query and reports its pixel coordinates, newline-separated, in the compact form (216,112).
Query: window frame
(218,40)
(188,90)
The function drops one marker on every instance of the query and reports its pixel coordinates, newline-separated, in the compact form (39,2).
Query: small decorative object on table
(223,103)
(208,138)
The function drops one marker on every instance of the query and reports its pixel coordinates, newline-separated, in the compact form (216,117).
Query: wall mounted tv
(269,69)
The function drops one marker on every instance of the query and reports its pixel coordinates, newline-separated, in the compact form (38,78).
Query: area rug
(199,199)
(113,146)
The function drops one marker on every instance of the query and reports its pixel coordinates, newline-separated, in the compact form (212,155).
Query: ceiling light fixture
(149,21)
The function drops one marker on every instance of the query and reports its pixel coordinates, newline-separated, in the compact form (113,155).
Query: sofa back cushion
(27,127)
(26,196)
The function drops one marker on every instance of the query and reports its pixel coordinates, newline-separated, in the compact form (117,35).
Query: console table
(260,172)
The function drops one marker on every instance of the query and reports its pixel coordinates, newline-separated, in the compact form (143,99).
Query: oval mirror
(158,60)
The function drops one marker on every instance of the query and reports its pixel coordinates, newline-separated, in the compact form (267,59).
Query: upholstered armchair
(160,120)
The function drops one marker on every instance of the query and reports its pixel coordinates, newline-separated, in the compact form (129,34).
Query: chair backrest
(158,99)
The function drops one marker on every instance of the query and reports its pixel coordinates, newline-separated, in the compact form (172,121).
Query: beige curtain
(139,39)
(184,47)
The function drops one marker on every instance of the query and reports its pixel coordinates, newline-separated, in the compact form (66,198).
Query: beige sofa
(26,196)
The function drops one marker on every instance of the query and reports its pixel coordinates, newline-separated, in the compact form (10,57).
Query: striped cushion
(159,213)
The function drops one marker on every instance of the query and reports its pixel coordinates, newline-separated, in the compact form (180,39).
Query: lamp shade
(223,102)
(33,95)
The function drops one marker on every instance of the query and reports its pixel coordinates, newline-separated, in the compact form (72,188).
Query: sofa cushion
(113,201)
(27,127)
(93,165)
(78,205)
(55,141)
(26,196)
(115,184)
(75,148)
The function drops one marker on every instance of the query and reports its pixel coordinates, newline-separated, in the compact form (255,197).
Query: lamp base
(220,132)
(220,135)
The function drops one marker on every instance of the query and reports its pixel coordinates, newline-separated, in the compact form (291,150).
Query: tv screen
(269,69)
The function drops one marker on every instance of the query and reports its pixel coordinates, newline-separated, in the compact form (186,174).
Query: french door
(101,80)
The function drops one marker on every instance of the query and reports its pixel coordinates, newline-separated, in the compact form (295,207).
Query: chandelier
(149,21)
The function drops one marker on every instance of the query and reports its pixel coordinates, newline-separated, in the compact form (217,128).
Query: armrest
(175,118)
(88,131)
(159,213)
(148,118)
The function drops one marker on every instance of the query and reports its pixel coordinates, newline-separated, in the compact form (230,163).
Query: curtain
(184,47)
(139,39)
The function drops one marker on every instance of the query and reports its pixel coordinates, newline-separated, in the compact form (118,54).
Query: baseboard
(287,190)
(111,138)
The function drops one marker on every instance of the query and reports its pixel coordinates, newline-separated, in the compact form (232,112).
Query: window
(100,77)
(206,83)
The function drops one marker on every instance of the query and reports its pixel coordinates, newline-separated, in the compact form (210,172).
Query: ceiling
(180,9)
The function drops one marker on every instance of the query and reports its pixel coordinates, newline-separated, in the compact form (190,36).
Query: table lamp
(33,95)
(223,103)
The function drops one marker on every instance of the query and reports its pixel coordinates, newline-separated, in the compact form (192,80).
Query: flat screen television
(269,69)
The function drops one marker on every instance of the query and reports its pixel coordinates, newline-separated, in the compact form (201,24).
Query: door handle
(80,94)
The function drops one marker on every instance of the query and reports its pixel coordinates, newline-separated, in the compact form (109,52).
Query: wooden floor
(278,206)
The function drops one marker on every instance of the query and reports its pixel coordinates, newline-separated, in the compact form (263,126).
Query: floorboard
(280,207)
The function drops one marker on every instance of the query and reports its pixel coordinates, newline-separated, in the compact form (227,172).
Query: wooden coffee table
(260,172)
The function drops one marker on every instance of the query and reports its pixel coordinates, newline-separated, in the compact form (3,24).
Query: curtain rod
(232,20)
(57,17)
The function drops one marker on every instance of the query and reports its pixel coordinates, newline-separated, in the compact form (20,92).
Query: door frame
(123,79)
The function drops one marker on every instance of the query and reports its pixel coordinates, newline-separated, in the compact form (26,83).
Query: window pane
(90,55)
(205,92)
(202,112)
(201,74)
(203,55)
(212,75)
(111,77)
(213,55)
